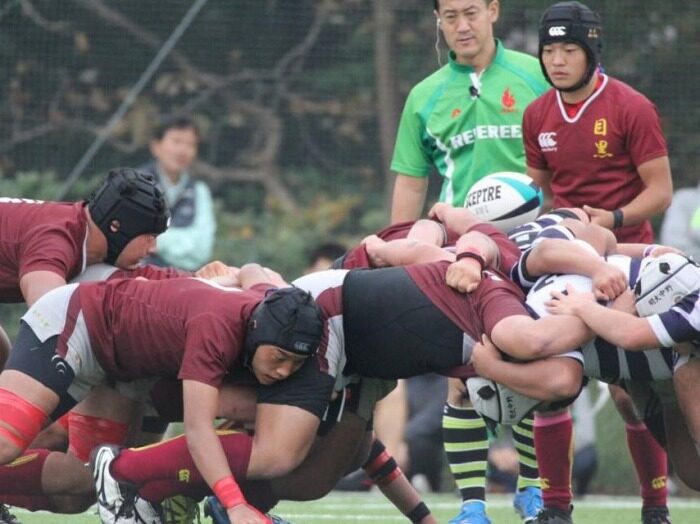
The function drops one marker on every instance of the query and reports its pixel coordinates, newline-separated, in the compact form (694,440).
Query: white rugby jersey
(601,359)
(681,323)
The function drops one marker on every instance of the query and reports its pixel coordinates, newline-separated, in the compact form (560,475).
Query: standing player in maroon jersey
(595,142)
(128,331)
(43,245)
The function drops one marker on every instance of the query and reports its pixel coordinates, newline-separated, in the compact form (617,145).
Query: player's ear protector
(287,318)
(128,204)
(663,281)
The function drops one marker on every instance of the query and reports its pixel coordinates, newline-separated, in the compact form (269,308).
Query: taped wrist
(228,492)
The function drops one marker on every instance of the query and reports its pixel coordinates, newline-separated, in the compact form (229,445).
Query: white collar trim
(588,102)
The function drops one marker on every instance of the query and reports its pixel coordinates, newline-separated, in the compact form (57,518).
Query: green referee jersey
(468,125)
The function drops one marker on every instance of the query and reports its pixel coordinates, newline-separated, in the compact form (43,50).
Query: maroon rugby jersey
(593,157)
(39,236)
(476,313)
(185,328)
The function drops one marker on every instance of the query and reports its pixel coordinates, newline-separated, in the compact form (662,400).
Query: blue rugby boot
(472,512)
(528,503)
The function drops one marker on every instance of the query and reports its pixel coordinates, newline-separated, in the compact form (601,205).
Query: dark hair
(176,122)
(329,250)
(436,4)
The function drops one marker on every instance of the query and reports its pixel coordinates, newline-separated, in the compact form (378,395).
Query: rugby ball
(505,199)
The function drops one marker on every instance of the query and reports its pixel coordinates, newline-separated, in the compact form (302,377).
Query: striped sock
(466,444)
(524,440)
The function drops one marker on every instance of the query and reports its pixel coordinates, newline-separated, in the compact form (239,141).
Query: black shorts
(309,389)
(393,330)
(40,361)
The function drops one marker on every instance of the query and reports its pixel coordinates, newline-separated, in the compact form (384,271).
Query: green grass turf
(347,508)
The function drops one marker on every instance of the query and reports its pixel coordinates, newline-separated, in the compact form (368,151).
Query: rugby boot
(528,503)
(180,510)
(6,517)
(656,515)
(554,516)
(214,509)
(115,500)
(472,512)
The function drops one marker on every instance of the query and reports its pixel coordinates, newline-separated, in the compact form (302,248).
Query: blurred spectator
(423,431)
(681,226)
(188,242)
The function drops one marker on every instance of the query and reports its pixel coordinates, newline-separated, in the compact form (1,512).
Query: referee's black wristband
(476,256)
(418,513)
(618,218)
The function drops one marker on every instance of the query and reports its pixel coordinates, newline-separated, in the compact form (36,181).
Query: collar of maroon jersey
(579,108)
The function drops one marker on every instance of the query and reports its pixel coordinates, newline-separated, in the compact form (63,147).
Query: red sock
(30,502)
(23,475)
(85,432)
(554,452)
(170,460)
(650,461)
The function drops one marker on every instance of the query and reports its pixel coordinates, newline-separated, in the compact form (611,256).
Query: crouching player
(129,331)
(669,316)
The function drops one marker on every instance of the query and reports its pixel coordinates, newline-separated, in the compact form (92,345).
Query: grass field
(347,508)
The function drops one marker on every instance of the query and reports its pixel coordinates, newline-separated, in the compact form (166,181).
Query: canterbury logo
(557,30)
(547,140)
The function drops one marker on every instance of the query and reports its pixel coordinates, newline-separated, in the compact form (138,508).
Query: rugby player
(82,335)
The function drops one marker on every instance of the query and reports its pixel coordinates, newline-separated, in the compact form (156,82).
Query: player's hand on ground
(464,275)
(484,354)
(245,514)
(601,217)
(609,282)
(372,245)
(568,302)
(625,303)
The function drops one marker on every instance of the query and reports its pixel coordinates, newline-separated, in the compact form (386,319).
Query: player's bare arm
(403,251)
(549,379)
(620,328)
(37,283)
(654,198)
(542,178)
(456,219)
(253,274)
(409,198)
(200,406)
(525,338)
(563,256)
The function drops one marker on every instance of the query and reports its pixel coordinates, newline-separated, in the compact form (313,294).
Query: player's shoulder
(629,94)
